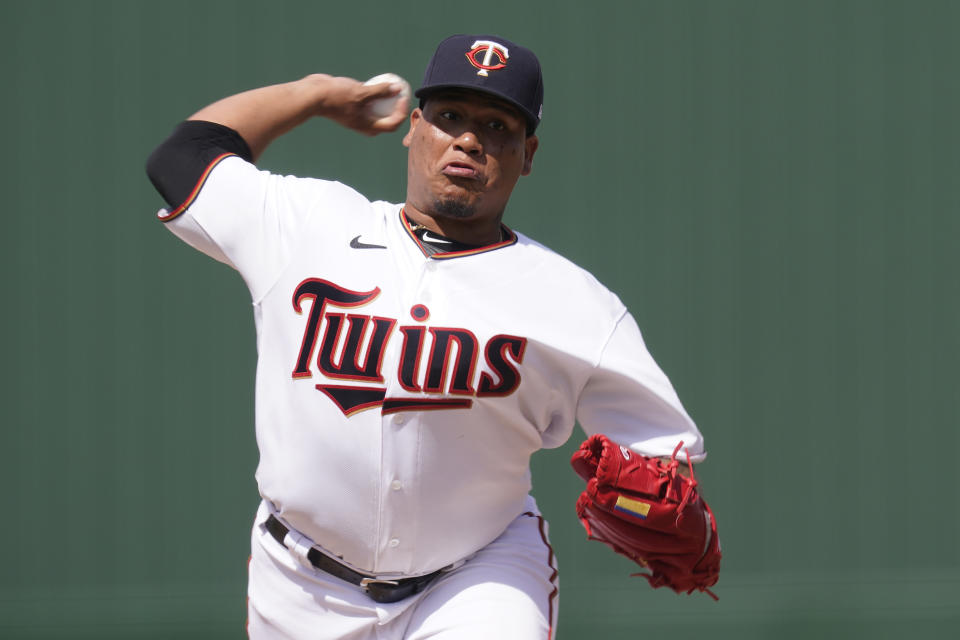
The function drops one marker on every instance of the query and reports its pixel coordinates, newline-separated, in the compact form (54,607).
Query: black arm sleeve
(178,164)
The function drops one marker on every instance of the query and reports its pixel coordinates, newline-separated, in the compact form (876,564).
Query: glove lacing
(689,485)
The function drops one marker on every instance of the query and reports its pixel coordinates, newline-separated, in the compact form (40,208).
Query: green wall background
(770,185)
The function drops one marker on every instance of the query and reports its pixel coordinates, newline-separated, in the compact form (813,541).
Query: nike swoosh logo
(356,244)
(428,237)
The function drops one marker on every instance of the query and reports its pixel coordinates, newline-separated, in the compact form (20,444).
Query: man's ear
(532,143)
(415,117)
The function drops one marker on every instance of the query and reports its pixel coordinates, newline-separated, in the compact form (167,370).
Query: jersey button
(400,419)
(394,543)
(396,485)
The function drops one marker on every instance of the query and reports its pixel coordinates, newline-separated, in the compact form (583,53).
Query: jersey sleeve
(226,207)
(629,399)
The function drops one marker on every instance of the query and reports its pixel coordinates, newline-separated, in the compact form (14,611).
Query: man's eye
(448,115)
(498,125)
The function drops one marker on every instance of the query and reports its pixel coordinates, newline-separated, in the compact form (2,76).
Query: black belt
(378,590)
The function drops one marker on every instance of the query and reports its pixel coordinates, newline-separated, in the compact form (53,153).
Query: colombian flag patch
(633,507)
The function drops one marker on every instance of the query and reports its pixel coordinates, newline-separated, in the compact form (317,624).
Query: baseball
(383,107)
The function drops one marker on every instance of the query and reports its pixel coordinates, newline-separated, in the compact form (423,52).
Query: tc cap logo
(489,48)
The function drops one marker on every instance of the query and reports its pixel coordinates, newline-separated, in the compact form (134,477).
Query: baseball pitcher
(412,356)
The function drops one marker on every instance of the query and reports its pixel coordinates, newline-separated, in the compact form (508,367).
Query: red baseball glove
(644,509)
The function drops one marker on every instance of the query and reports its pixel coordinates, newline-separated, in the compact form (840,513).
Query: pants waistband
(379,590)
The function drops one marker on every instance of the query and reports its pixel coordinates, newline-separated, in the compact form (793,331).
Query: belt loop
(299,546)
(453,567)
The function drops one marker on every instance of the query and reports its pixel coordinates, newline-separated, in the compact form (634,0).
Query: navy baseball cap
(489,64)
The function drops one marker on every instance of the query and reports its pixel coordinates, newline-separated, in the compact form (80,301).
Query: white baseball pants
(506,591)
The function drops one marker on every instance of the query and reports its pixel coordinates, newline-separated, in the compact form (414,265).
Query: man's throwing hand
(349,102)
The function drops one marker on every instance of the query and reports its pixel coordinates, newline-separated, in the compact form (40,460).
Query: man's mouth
(460,170)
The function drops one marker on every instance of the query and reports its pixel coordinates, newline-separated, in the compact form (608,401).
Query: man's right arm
(223,205)
(262,115)
(246,123)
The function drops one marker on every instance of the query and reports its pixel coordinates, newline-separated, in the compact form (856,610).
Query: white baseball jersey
(399,396)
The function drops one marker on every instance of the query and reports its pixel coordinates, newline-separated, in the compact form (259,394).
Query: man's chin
(457,209)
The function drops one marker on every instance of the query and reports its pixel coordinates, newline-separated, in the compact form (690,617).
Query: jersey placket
(398,491)
(400,464)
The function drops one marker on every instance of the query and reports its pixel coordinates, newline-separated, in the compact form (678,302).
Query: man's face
(467,151)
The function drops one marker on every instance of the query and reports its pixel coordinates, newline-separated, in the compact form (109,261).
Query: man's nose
(469,142)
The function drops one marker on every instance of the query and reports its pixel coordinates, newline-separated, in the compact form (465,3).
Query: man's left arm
(637,500)
(629,399)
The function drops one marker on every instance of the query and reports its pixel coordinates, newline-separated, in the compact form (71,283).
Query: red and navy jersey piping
(181,164)
(510,238)
(170,215)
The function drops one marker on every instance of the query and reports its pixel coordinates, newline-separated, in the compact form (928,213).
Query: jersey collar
(509,238)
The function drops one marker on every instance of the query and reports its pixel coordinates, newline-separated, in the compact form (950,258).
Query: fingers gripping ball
(383,107)
(644,509)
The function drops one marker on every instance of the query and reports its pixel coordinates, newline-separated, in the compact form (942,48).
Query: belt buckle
(366,582)
(385,591)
